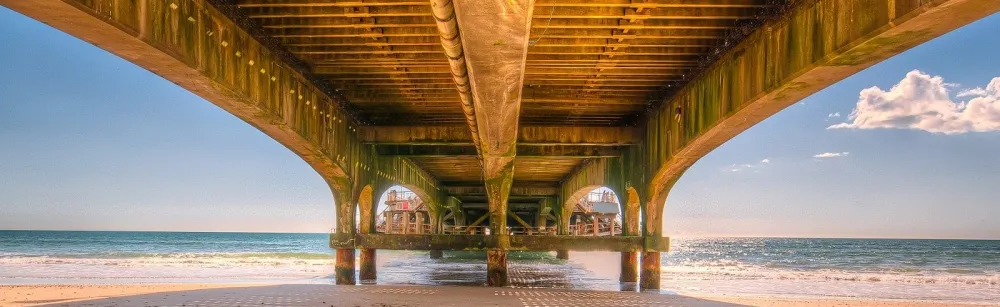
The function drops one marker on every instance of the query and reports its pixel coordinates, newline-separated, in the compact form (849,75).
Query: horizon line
(671,237)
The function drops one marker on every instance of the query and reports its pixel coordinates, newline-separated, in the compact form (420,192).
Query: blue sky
(90,141)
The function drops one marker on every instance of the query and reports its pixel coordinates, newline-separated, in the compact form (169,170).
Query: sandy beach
(330,295)
(34,295)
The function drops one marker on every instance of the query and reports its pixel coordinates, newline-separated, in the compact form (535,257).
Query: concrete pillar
(541,222)
(437,254)
(345,267)
(630,267)
(562,254)
(499,178)
(597,227)
(650,275)
(367,272)
(496,268)
(406,222)
(419,222)
(389,216)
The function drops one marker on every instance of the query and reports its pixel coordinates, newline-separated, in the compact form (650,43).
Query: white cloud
(831,154)
(832,115)
(921,102)
(742,167)
(972,92)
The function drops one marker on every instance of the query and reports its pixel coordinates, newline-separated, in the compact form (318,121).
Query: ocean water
(938,270)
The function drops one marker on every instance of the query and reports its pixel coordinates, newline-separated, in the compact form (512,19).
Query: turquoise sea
(940,270)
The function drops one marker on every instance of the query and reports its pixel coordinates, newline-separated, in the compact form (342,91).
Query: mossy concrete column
(437,254)
(650,275)
(562,229)
(499,174)
(345,267)
(344,203)
(562,254)
(498,182)
(652,227)
(366,206)
(496,268)
(630,267)
(367,272)
(630,259)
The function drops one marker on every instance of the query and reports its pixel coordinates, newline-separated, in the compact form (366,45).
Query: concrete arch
(388,185)
(228,68)
(574,198)
(569,204)
(435,211)
(773,68)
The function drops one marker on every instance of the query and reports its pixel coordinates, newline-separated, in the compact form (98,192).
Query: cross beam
(480,242)
(479,190)
(550,151)
(527,135)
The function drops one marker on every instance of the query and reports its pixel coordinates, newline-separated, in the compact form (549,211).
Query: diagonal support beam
(479,220)
(518,219)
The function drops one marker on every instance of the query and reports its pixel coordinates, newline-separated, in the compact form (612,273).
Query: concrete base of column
(630,267)
(649,278)
(345,267)
(437,254)
(496,268)
(367,272)
(562,254)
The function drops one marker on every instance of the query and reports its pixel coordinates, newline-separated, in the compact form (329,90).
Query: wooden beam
(552,151)
(482,242)
(479,220)
(528,135)
(518,219)
(479,190)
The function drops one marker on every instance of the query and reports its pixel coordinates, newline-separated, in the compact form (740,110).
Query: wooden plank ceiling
(590,62)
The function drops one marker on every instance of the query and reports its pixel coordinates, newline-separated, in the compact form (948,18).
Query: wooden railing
(527,231)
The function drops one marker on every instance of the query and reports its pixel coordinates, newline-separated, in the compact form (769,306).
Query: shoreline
(18,295)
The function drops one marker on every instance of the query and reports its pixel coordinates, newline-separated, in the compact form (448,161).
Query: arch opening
(594,211)
(401,210)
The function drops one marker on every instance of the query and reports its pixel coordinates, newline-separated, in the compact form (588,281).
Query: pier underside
(502,115)
(483,243)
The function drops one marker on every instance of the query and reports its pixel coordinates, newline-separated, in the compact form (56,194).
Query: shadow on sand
(332,295)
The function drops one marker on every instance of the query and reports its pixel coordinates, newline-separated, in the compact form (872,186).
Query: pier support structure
(496,268)
(630,267)
(213,49)
(497,188)
(345,207)
(437,254)
(630,221)
(562,254)
(345,266)
(367,272)
(650,275)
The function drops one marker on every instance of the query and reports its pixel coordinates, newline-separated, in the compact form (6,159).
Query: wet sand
(330,295)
